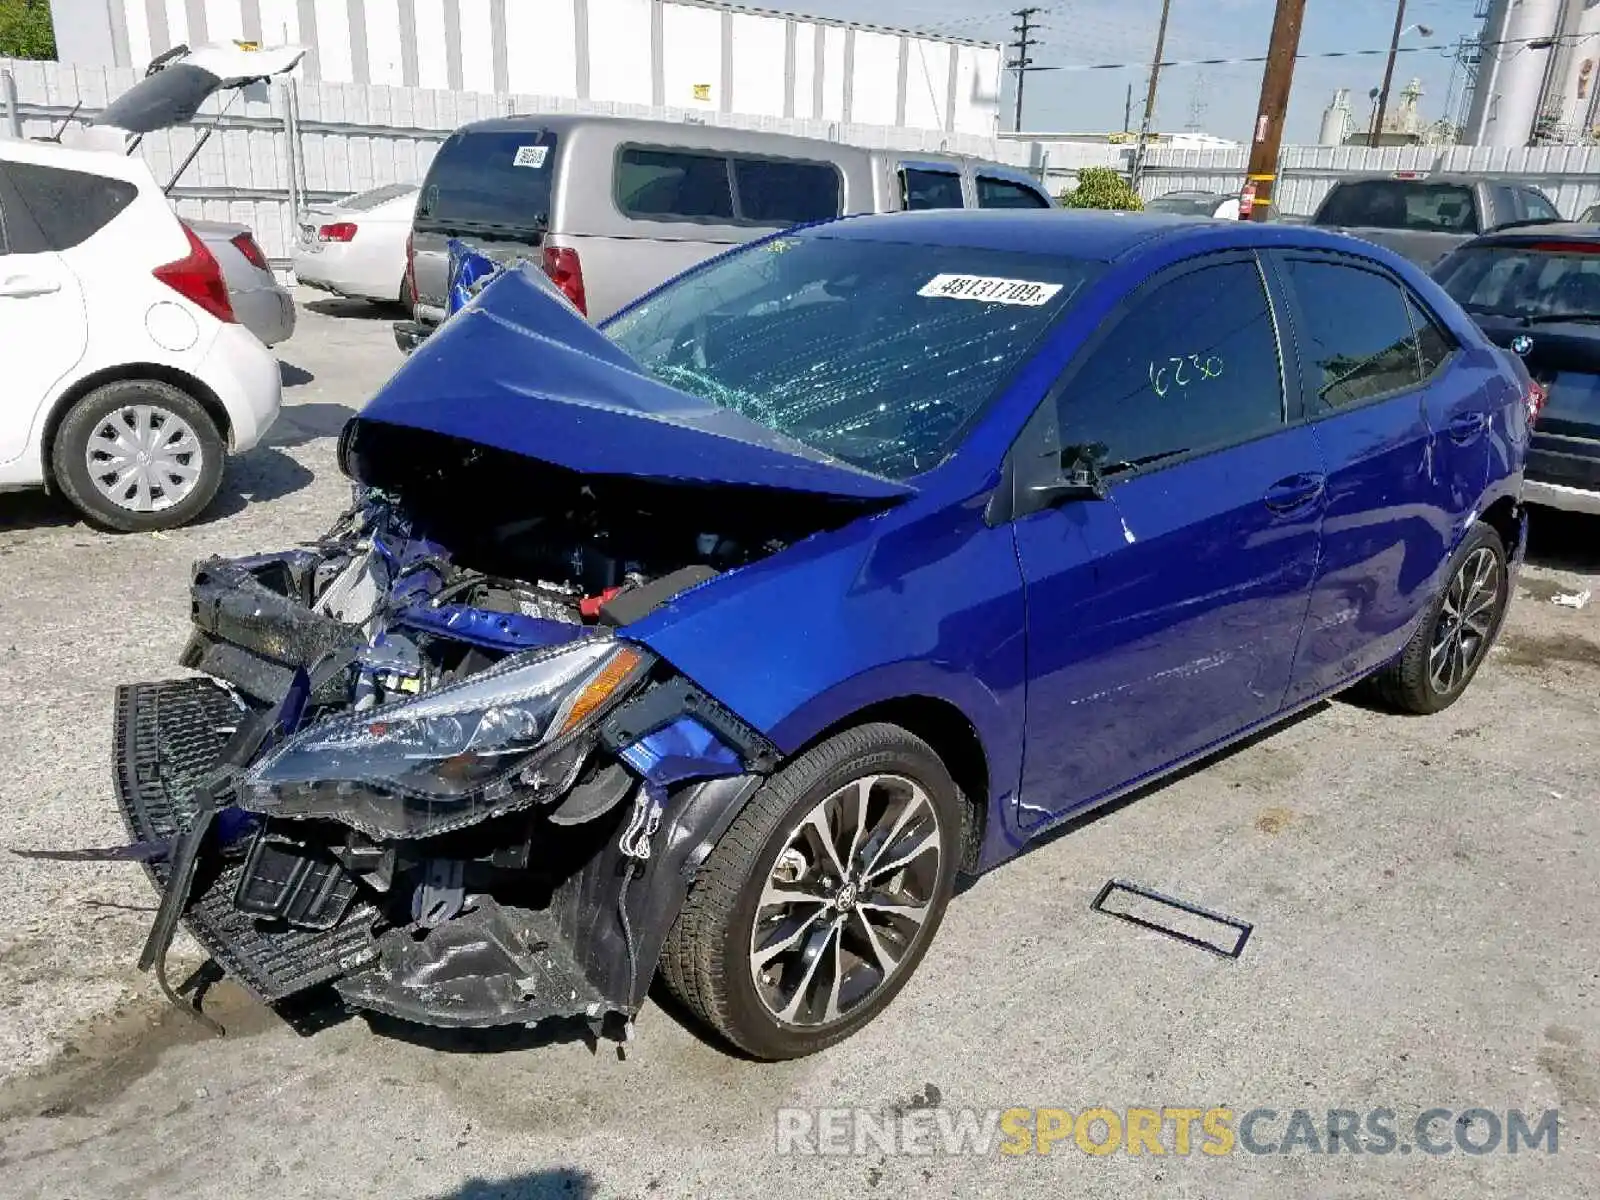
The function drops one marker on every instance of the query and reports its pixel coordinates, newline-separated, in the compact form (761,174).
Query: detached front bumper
(281,915)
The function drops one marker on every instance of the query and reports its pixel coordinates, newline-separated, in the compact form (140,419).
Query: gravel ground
(1423,892)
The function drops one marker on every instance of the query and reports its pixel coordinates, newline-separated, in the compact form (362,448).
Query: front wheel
(1457,631)
(138,455)
(821,899)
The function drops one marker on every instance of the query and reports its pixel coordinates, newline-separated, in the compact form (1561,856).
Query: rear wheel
(821,899)
(138,455)
(1456,633)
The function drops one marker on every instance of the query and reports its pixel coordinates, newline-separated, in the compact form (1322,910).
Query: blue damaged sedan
(716,642)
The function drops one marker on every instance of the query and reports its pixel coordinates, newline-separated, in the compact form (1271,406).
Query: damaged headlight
(510,736)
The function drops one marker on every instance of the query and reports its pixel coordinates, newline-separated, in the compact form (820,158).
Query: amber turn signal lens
(599,689)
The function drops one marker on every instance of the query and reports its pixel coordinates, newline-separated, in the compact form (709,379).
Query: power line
(1444,49)
(1022,64)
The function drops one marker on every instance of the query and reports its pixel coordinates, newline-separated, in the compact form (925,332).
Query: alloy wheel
(1466,621)
(144,458)
(846,900)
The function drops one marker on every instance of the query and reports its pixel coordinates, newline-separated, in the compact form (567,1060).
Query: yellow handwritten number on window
(1181,372)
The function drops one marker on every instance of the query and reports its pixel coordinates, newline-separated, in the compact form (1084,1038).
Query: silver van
(613,207)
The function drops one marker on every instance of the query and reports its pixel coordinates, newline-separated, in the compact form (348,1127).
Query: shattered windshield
(877,353)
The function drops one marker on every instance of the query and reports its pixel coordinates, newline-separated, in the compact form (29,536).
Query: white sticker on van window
(530,156)
(989,289)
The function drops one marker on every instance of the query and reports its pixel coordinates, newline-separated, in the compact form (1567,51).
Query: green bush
(25,29)
(1101,187)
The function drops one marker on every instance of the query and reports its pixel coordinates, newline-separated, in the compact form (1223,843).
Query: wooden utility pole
(1276,80)
(1150,94)
(1375,138)
(1022,63)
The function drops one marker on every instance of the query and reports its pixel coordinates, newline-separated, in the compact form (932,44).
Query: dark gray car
(1425,217)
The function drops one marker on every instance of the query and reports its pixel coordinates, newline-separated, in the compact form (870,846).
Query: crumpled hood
(521,370)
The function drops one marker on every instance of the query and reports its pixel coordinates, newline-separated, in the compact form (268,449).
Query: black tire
(707,959)
(407,298)
(1411,684)
(69,455)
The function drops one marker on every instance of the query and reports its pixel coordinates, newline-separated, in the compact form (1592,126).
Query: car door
(995,191)
(930,185)
(42,328)
(1407,453)
(1164,617)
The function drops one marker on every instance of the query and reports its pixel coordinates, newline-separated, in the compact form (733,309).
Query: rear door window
(785,192)
(1194,365)
(1402,204)
(1007,193)
(1354,333)
(674,184)
(923,189)
(67,207)
(490,177)
(1535,207)
(1434,343)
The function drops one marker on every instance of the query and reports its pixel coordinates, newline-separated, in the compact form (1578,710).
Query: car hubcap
(846,900)
(144,459)
(1465,621)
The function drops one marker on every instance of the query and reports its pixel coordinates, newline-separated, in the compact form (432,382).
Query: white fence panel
(356,136)
(1569,175)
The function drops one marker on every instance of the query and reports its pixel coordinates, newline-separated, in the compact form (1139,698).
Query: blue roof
(1074,233)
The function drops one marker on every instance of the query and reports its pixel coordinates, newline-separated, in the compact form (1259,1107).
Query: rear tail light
(197,278)
(411,267)
(1534,398)
(246,245)
(341,231)
(566,272)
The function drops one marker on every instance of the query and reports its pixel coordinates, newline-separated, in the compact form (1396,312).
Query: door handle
(1466,426)
(1295,492)
(20,287)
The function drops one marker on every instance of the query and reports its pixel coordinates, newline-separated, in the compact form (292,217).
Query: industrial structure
(1533,74)
(683,54)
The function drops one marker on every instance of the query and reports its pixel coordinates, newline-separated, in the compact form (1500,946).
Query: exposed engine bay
(424,763)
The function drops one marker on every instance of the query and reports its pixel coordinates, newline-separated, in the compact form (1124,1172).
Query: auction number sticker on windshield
(530,156)
(990,289)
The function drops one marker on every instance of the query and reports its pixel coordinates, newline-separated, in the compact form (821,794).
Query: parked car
(718,640)
(175,86)
(127,375)
(263,305)
(1424,217)
(356,247)
(1221,206)
(1591,215)
(614,207)
(1536,291)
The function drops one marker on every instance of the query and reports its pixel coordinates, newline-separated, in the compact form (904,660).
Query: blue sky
(1097,31)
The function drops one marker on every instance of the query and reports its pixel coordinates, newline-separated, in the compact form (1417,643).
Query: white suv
(127,377)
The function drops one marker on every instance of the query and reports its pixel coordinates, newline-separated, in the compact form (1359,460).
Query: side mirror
(1079,478)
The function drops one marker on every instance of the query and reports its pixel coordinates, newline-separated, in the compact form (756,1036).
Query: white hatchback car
(127,376)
